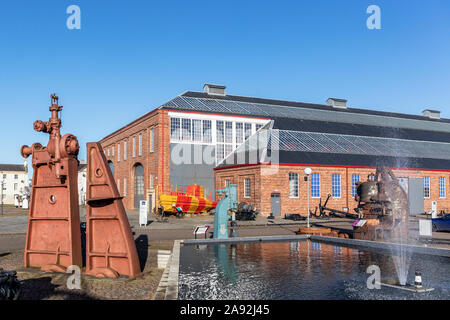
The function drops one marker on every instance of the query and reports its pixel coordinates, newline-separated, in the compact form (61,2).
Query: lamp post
(307,172)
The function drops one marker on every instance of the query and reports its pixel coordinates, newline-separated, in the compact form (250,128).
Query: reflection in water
(296,270)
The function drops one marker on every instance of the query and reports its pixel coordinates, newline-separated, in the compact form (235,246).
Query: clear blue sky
(131,56)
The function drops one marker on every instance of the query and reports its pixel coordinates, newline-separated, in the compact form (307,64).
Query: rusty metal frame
(110,247)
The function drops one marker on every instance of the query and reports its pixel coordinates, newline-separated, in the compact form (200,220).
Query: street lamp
(307,172)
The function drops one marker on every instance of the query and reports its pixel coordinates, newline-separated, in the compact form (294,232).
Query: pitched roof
(12,167)
(270,108)
(300,147)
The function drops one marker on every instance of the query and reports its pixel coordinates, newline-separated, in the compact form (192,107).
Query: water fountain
(383,204)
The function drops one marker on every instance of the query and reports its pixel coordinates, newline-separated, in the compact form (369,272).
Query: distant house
(13,182)
(82,183)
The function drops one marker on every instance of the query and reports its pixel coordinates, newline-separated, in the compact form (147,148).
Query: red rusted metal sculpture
(53,240)
(110,248)
(383,204)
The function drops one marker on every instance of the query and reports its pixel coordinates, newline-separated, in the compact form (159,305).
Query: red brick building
(262,145)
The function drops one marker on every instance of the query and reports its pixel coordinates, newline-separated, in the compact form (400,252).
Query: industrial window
(151,180)
(175,129)
(186,130)
(259,126)
(315,185)
(118,185)
(152,142)
(248,130)
(229,132)
(134,147)
(207,131)
(293,185)
(228,149)
(196,130)
(125,150)
(426,187)
(118,152)
(220,152)
(355,178)
(140,144)
(113,150)
(219,131)
(124,187)
(336,186)
(239,132)
(247,188)
(441,187)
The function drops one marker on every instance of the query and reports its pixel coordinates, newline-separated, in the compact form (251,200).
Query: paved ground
(13,225)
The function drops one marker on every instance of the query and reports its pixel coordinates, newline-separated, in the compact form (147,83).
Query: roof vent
(432,114)
(337,103)
(214,89)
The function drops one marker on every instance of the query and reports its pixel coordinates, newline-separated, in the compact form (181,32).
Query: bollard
(418,279)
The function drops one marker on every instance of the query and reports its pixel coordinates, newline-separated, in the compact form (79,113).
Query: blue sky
(131,56)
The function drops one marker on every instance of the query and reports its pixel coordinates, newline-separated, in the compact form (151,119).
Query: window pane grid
(196,130)
(336,186)
(175,128)
(293,185)
(186,134)
(315,185)
(207,131)
(247,188)
(442,187)
(426,187)
(355,178)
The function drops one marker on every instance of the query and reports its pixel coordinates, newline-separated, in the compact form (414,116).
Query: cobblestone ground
(37,285)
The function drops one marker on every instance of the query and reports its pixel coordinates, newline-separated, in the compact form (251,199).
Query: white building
(13,182)
(82,183)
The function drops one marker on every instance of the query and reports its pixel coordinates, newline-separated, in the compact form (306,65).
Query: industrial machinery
(192,201)
(10,287)
(53,240)
(245,212)
(382,207)
(227,204)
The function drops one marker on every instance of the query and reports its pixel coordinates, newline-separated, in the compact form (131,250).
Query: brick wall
(156,162)
(279,183)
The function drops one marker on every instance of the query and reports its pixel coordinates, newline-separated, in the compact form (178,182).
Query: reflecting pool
(299,270)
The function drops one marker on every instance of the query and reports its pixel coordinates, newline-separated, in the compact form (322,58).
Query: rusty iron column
(53,240)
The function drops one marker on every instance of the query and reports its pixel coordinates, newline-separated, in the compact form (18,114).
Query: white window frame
(140,145)
(293,185)
(152,141)
(118,152)
(125,149)
(247,188)
(336,185)
(354,181)
(318,187)
(426,185)
(442,188)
